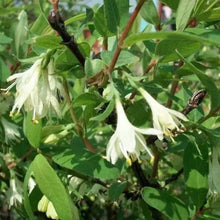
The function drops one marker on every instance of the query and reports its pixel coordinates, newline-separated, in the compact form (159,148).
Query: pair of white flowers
(36,89)
(128,140)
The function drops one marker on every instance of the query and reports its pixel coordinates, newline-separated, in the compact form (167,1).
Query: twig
(173,177)
(13,164)
(140,174)
(156,154)
(124,35)
(160,7)
(174,86)
(72,113)
(194,101)
(145,182)
(105,43)
(55,4)
(58,25)
(200,211)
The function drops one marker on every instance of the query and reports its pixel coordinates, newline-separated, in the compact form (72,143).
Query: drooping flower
(127,140)
(164,119)
(11,131)
(14,193)
(36,89)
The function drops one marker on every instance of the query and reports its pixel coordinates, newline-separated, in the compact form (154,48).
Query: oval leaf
(164,202)
(52,187)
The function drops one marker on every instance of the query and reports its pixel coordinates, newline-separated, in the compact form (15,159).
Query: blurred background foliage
(99,189)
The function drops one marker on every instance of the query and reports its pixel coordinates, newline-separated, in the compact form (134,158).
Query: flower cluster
(128,140)
(36,90)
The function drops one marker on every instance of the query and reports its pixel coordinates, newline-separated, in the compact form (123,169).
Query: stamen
(9,87)
(34,120)
(11,114)
(128,160)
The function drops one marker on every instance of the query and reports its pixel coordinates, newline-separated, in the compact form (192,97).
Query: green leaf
(214,175)
(149,13)
(88,99)
(21,34)
(204,36)
(65,61)
(27,204)
(32,131)
(93,66)
(4,39)
(75,18)
(116,190)
(210,15)
(164,202)
(4,71)
(123,9)
(41,7)
(106,113)
(52,187)
(173,4)
(79,159)
(40,24)
(49,42)
(125,58)
(183,13)
(166,48)
(196,169)
(100,23)
(206,81)
(111,15)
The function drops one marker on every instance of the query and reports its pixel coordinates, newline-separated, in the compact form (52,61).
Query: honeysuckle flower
(51,212)
(127,140)
(11,131)
(36,89)
(14,193)
(44,205)
(164,119)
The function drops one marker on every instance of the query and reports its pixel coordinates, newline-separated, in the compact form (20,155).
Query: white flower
(127,139)
(36,90)
(14,194)
(164,119)
(44,205)
(51,212)
(11,131)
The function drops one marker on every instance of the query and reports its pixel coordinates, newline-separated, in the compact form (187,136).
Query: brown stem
(55,4)
(199,212)
(57,23)
(124,35)
(174,177)
(150,66)
(73,116)
(174,86)
(105,43)
(156,154)
(69,101)
(13,164)
(160,7)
